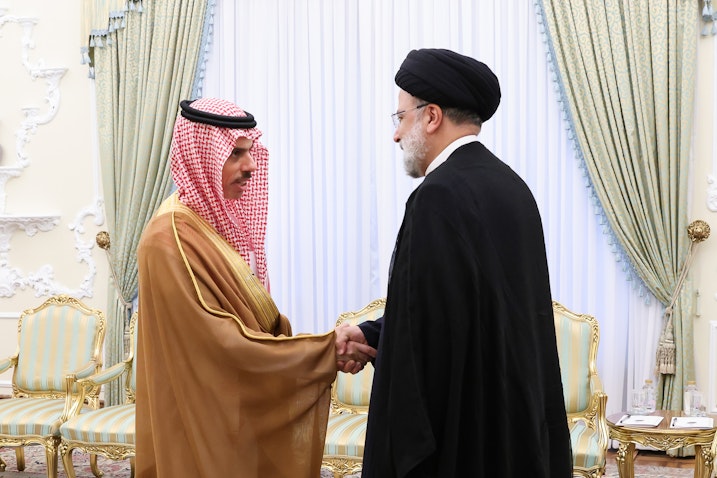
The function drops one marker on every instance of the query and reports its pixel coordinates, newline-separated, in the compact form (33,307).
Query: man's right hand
(352,350)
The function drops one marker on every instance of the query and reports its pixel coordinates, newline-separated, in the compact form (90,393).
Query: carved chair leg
(2,464)
(131,467)
(66,454)
(93,466)
(51,457)
(20,458)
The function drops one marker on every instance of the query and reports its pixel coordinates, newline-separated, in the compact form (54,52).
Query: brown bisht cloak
(223,389)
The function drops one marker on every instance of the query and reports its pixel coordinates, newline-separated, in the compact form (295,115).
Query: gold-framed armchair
(107,431)
(350,394)
(62,336)
(578,336)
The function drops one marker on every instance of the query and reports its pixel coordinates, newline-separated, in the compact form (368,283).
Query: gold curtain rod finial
(103,240)
(698,230)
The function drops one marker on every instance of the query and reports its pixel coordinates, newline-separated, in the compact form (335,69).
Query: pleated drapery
(144,58)
(627,73)
(318,76)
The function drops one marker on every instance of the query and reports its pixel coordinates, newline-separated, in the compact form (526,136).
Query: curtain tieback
(103,240)
(697,231)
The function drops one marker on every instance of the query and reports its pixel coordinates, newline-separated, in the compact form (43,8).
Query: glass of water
(637,401)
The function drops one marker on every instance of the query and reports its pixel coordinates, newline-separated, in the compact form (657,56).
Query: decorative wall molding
(712,192)
(11,278)
(42,281)
(7,173)
(84,248)
(33,116)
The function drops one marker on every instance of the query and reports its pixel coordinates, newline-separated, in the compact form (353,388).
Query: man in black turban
(450,79)
(467,379)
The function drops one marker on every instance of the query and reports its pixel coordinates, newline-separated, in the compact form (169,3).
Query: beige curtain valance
(99,19)
(709,18)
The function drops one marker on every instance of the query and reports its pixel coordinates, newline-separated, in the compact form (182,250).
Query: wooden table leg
(625,459)
(704,461)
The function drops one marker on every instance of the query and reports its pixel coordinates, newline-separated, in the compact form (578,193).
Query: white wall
(49,183)
(704,268)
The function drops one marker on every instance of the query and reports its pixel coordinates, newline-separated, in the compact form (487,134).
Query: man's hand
(352,350)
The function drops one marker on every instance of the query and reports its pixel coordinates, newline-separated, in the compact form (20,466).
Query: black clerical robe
(467,378)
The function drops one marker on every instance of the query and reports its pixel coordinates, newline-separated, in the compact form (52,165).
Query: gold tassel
(666,348)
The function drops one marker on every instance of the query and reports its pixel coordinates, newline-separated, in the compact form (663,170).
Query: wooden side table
(661,437)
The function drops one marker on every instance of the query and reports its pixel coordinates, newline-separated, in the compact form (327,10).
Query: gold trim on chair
(585,400)
(350,394)
(108,431)
(62,336)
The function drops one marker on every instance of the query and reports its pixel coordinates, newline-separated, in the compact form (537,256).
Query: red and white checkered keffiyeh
(197,157)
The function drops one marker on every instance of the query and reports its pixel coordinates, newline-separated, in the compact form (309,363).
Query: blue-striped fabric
(574,340)
(355,390)
(346,432)
(54,341)
(30,416)
(106,425)
(346,435)
(586,450)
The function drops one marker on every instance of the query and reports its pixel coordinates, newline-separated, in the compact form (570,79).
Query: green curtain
(626,71)
(142,71)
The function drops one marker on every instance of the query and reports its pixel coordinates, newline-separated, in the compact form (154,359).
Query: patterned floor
(35,467)
(642,471)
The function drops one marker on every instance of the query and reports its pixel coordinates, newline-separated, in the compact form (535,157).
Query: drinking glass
(637,401)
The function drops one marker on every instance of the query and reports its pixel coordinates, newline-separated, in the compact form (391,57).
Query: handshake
(352,349)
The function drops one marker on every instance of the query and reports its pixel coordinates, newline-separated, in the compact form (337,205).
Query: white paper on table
(639,420)
(692,422)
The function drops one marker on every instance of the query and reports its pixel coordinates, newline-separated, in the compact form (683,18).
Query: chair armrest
(104,376)
(85,386)
(87,370)
(73,401)
(599,405)
(5,364)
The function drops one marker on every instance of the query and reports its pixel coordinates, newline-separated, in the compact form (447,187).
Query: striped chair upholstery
(108,431)
(350,394)
(578,337)
(59,338)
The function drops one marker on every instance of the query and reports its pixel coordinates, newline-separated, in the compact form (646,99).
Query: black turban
(450,79)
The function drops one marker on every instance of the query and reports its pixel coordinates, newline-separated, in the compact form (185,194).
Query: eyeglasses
(398,115)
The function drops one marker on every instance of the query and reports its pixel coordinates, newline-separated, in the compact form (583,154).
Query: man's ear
(435,118)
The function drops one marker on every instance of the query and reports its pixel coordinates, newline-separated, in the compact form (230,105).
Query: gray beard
(414,151)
